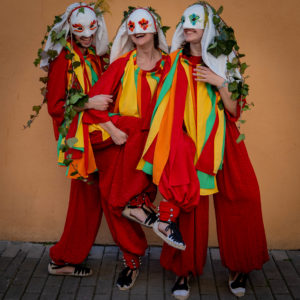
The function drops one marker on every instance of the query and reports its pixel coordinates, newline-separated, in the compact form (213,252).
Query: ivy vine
(226,43)
(75,98)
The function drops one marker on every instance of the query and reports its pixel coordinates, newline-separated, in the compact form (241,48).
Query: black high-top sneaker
(237,286)
(181,291)
(127,278)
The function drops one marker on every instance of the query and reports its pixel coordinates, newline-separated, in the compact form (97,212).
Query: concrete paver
(23,275)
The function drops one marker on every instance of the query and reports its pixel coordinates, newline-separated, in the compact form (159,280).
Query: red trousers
(82,223)
(240,226)
(128,235)
(118,182)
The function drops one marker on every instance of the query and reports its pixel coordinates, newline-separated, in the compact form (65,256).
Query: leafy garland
(74,98)
(224,43)
(128,12)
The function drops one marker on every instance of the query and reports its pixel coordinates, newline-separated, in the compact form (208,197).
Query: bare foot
(67,270)
(162,228)
(139,214)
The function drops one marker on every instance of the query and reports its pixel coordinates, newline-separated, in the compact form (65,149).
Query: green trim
(155,77)
(212,116)
(148,168)
(206,181)
(94,74)
(136,75)
(166,85)
(223,146)
(113,114)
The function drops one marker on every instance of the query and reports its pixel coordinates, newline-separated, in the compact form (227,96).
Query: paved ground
(23,275)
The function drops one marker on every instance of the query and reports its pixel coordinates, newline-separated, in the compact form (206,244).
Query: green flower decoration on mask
(182,19)
(194,19)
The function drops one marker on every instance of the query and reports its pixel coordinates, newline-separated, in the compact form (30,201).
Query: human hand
(204,74)
(99,102)
(119,137)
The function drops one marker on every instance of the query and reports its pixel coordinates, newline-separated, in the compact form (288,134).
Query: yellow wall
(34,191)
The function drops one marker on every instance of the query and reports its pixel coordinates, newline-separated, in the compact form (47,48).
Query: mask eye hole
(144,24)
(194,18)
(93,25)
(78,27)
(131,26)
(182,19)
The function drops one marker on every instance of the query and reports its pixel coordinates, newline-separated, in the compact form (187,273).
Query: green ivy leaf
(235,95)
(216,20)
(57,19)
(69,56)
(71,142)
(81,10)
(52,53)
(240,138)
(76,64)
(61,34)
(44,79)
(63,41)
(242,121)
(67,161)
(36,108)
(63,131)
(221,105)
(74,98)
(220,10)
(244,66)
(232,86)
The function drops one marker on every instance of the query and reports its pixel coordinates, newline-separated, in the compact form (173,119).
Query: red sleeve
(56,90)
(108,84)
(230,117)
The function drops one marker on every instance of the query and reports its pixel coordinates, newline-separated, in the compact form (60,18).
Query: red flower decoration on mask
(144,24)
(131,26)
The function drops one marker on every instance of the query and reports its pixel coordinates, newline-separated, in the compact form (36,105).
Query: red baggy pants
(82,223)
(240,226)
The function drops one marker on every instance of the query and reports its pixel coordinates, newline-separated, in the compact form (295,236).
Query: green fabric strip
(148,168)
(212,116)
(223,146)
(113,114)
(136,75)
(155,77)
(166,85)
(94,74)
(206,181)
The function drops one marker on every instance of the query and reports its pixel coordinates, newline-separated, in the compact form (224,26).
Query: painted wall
(34,191)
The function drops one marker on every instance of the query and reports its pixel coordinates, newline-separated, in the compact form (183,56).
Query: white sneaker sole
(181,296)
(239,292)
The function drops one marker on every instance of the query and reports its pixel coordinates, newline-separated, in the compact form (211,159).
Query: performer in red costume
(86,37)
(193,137)
(138,60)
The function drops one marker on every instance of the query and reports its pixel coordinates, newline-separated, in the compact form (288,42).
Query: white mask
(193,17)
(83,21)
(141,21)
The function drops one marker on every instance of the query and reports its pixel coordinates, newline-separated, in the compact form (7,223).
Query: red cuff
(92,116)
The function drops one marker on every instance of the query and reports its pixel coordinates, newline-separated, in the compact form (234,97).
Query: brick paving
(23,275)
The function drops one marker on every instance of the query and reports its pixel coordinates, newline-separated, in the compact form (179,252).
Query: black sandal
(151,215)
(174,239)
(79,270)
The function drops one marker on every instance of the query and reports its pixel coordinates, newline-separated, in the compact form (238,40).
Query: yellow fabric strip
(128,104)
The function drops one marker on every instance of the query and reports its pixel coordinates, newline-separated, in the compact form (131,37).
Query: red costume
(223,169)
(85,211)
(119,180)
